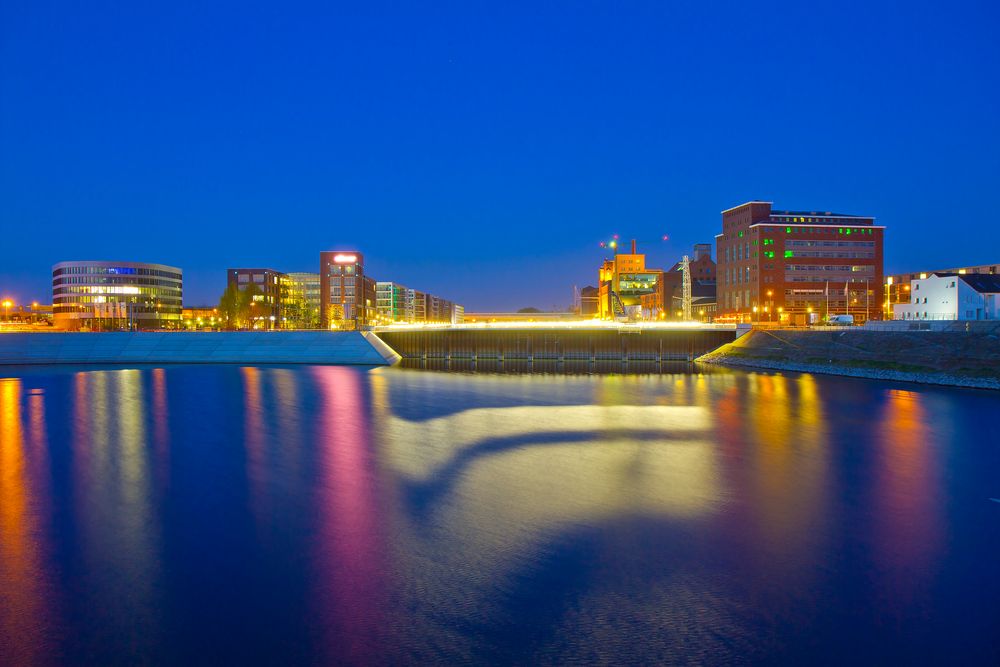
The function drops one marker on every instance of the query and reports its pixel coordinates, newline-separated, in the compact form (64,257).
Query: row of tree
(237,310)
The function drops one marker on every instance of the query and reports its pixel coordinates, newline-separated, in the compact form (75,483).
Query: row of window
(127,290)
(831,278)
(114,271)
(72,305)
(829,244)
(111,280)
(853,268)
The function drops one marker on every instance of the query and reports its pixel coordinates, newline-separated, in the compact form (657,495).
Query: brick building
(793,266)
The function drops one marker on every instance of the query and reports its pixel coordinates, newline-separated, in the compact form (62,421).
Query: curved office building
(112,296)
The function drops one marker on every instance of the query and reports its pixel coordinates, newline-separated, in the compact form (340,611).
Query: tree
(529,310)
(236,306)
(229,306)
(248,305)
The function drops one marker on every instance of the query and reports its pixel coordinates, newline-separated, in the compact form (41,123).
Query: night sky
(481,151)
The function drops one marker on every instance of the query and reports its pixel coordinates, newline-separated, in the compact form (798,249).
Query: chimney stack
(633,246)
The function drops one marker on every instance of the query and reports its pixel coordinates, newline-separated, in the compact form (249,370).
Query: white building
(948,296)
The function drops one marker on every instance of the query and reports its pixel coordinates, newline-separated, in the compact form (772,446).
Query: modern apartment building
(787,265)
(116,295)
(347,295)
(391,302)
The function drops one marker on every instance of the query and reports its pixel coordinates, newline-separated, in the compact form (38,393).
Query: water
(217,514)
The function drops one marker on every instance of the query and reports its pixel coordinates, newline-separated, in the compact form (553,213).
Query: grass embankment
(970,359)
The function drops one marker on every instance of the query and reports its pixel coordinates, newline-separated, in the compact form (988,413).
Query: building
(787,265)
(897,286)
(952,296)
(590,301)
(307,288)
(666,301)
(203,317)
(623,279)
(116,295)
(391,302)
(275,305)
(347,295)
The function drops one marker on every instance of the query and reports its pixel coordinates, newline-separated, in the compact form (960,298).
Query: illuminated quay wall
(580,341)
(116,296)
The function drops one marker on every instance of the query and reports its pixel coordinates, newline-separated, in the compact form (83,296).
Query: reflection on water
(24,616)
(333,514)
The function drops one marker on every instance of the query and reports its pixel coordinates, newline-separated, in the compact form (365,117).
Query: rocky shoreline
(928,377)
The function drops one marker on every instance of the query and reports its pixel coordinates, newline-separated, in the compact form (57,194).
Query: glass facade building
(109,296)
(307,285)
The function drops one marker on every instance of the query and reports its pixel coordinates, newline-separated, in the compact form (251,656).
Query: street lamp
(7,303)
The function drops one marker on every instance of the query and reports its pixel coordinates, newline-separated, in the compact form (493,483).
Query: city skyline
(483,141)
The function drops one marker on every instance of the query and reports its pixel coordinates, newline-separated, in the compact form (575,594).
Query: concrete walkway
(185,347)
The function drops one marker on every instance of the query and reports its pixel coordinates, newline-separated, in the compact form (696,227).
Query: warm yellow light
(890,280)
(755,309)
(7,303)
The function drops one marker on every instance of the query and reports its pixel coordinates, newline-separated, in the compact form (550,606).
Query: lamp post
(7,303)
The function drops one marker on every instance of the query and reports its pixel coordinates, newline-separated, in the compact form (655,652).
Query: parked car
(840,320)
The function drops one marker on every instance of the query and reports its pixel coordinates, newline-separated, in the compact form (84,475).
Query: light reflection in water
(783,467)
(255,439)
(350,550)
(24,615)
(493,489)
(120,530)
(907,533)
(424,518)
(161,425)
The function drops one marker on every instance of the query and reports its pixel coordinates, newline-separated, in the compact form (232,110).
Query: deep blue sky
(481,151)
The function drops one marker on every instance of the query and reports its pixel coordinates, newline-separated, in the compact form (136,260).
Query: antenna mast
(686,288)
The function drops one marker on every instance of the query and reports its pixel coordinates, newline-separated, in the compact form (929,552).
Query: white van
(840,320)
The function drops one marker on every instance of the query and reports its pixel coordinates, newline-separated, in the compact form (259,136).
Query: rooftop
(820,214)
(982,282)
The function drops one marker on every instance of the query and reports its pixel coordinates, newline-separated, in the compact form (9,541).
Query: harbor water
(219,514)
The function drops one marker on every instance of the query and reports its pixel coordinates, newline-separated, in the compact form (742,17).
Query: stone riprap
(956,357)
(184,347)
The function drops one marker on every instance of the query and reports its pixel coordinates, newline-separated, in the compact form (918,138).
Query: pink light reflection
(350,550)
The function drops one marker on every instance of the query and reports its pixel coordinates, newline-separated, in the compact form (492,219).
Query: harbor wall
(184,347)
(534,344)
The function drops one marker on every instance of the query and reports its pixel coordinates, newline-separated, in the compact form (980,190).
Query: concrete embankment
(182,347)
(955,357)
